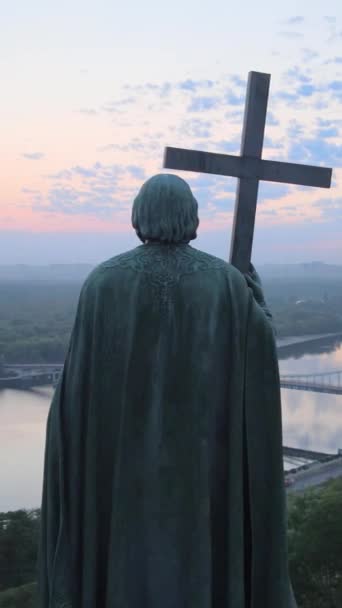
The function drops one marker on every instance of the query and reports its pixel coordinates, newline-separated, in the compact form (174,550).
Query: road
(316,475)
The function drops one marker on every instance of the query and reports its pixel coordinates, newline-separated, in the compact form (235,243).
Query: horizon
(312,263)
(82,131)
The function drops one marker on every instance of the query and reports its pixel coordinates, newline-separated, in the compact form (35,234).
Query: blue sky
(95,91)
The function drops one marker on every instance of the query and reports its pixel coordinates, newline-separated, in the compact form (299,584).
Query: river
(310,420)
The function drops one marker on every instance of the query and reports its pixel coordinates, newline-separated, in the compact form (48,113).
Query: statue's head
(165,210)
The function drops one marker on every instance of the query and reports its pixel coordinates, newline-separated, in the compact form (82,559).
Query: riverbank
(20,375)
(316,474)
(291,340)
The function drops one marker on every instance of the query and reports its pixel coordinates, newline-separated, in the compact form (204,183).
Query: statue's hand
(254,282)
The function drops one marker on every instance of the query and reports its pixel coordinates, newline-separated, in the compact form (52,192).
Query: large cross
(249,167)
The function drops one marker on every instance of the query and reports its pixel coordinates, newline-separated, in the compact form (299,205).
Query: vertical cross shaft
(247,189)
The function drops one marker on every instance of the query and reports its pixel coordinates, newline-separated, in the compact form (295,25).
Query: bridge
(327,382)
(31,375)
(28,376)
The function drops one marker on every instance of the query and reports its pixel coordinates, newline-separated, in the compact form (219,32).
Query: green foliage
(39,330)
(36,321)
(306,319)
(315,546)
(20,597)
(18,547)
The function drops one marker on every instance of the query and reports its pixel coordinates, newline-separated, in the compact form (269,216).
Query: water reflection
(312,420)
(23,416)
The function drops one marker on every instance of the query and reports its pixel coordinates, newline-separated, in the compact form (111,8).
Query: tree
(18,548)
(21,597)
(315,546)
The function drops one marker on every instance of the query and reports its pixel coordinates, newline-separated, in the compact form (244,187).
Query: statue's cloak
(163,481)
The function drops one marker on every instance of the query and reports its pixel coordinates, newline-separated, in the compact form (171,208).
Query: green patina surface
(163,480)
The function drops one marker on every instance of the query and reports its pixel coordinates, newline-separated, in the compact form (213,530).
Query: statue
(163,478)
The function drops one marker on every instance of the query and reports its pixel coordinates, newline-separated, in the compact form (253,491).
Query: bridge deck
(38,373)
(314,387)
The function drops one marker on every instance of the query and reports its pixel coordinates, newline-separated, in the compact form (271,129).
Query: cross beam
(245,167)
(249,168)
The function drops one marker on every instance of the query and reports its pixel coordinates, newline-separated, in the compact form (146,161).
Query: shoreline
(293,340)
(17,381)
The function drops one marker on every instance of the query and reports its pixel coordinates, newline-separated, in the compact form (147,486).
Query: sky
(93,92)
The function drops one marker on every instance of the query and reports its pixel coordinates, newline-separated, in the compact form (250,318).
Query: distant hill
(78,272)
(309,270)
(50,273)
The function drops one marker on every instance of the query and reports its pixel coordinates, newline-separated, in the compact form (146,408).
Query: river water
(310,420)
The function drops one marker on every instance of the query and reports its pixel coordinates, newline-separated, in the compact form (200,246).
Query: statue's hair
(165,210)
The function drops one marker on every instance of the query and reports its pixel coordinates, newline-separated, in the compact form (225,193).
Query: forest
(36,317)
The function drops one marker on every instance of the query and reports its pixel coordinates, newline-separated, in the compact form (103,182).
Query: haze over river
(310,420)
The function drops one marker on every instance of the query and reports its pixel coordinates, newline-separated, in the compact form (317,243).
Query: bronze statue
(163,481)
